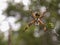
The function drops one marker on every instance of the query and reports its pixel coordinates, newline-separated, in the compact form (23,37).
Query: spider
(37,19)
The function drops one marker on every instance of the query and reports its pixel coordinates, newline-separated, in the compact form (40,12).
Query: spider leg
(42,15)
(33,21)
(42,24)
(33,14)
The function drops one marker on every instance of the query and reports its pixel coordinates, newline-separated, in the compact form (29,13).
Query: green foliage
(50,26)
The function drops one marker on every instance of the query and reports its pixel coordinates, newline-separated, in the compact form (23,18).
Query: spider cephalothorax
(37,19)
(37,15)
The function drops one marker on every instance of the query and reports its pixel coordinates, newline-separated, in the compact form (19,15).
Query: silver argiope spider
(37,19)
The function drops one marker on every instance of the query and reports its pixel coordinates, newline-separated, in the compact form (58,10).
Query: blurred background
(15,15)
